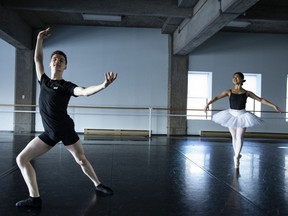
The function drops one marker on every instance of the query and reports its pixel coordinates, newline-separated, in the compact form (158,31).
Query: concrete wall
(227,53)
(139,56)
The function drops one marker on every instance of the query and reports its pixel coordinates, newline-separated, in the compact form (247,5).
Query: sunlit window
(199,91)
(253,84)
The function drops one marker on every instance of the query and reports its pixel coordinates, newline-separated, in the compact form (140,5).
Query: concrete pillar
(177,92)
(25,92)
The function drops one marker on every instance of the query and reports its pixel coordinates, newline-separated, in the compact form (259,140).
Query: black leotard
(238,101)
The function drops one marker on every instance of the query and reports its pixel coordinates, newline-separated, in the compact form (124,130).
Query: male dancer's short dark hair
(59,52)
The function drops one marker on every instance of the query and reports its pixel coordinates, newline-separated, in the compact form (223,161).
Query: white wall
(139,56)
(226,53)
(7,76)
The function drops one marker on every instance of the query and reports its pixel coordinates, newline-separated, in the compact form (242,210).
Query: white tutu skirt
(236,118)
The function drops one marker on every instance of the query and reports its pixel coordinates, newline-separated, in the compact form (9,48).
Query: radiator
(116,134)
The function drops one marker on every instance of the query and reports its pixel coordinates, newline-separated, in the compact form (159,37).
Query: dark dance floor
(181,176)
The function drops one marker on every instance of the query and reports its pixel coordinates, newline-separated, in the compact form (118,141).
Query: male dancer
(58,126)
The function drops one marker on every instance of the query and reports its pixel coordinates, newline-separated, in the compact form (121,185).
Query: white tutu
(236,118)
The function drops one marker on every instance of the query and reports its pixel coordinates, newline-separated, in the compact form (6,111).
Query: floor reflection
(262,181)
(175,176)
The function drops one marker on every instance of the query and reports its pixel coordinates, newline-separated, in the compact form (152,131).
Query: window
(253,84)
(199,91)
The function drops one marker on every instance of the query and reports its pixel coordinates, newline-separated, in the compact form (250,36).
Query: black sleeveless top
(238,101)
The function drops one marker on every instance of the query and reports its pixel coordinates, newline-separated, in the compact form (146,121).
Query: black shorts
(67,137)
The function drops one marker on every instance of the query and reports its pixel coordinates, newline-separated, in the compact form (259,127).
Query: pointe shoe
(104,189)
(237,161)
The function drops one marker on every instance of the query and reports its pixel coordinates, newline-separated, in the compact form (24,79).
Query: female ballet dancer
(237,119)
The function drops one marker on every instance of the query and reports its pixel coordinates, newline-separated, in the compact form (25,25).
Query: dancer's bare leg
(78,153)
(35,148)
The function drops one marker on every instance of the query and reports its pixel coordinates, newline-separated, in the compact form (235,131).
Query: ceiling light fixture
(239,24)
(97,17)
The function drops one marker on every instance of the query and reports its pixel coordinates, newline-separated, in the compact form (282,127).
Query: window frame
(256,106)
(192,115)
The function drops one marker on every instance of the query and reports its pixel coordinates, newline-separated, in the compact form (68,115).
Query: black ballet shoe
(31,202)
(104,190)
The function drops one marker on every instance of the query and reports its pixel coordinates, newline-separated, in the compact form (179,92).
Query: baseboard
(247,134)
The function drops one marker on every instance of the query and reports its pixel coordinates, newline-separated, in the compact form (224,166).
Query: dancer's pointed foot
(31,202)
(237,161)
(104,189)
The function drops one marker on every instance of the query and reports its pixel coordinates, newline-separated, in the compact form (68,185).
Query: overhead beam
(14,30)
(171,24)
(208,18)
(165,8)
(187,3)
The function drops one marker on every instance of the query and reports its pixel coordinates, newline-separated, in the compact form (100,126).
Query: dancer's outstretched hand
(109,78)
(44,33)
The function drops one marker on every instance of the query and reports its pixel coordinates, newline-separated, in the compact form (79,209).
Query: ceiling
(268,16)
